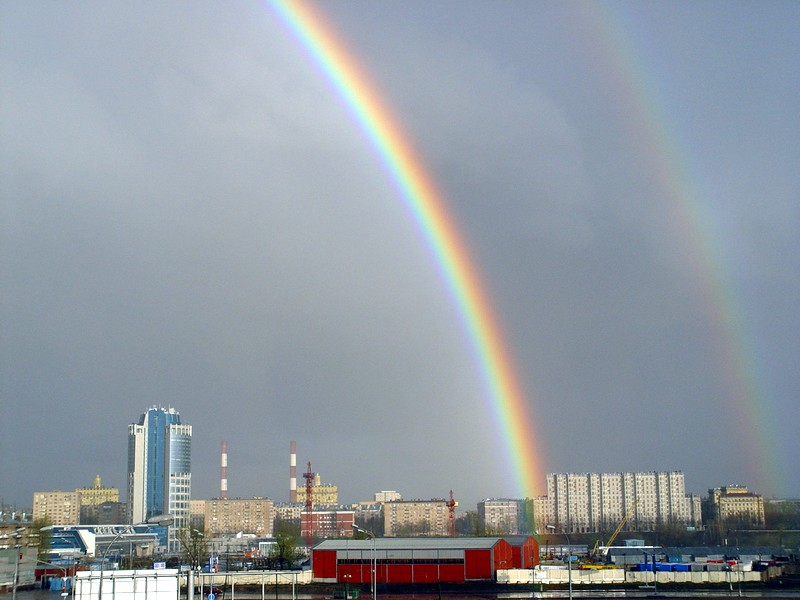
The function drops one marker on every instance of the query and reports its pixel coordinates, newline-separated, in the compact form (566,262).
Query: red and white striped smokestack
(292,471)
(223,472)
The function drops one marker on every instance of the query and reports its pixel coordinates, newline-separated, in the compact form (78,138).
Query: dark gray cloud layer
(191,218)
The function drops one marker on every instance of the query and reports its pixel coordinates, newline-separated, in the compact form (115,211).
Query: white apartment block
(499,516)
(387,496)
(591,502)
(415,518)
(288,511)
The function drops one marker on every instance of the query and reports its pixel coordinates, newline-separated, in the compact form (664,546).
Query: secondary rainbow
(665,151)
(508,403)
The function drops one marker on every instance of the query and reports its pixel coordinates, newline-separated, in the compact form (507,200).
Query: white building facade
(591,502)
(499,516)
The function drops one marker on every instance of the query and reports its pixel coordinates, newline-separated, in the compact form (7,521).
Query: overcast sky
(192,218)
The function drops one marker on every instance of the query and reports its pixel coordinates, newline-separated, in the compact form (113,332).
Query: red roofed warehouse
(411,560)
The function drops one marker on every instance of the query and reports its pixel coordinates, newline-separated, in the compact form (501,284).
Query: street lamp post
(569,558)
(374,558)
(194,536)
(347,577)
(164,520)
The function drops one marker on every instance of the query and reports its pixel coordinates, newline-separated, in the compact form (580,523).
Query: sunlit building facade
(737,506)
(408,518)
(233,515)
(57,507)
(594,502)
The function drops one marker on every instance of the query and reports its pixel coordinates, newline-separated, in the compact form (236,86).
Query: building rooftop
(429,543)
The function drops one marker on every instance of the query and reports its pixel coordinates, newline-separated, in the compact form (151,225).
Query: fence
(127,585)
(620,576)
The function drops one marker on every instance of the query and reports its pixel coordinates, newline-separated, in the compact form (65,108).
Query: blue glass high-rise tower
(160,469)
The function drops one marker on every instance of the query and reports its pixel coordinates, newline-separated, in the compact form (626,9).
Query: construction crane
(451,515)
(614,535)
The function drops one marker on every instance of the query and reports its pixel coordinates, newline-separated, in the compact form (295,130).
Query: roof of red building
(412,543)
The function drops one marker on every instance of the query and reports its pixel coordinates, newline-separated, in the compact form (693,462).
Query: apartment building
(499,516)
(406,518)
(322,494)
(387,496)
(233,515)
(592,502)
(57,507)
(327,523)
(736,505)
(100,504)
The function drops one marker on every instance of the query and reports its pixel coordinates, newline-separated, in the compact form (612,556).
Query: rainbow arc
(429,212)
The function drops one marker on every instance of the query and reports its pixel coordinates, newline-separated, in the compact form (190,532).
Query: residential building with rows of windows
(737,506)
(57,507)
(592,502)
(408,518)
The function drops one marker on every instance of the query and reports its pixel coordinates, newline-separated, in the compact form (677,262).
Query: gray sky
(191,218)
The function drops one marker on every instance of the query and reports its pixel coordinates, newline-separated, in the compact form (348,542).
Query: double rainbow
(425,203)
(666,153)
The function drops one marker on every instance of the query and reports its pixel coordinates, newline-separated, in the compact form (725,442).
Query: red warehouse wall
(478,564)
(503,556)
(324,564)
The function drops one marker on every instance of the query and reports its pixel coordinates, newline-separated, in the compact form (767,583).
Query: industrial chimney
(292,471)
(223,471)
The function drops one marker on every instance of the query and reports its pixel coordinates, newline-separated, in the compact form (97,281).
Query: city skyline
(198,211)
(549,489)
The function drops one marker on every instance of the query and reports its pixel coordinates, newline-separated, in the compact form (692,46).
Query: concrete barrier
(558,576)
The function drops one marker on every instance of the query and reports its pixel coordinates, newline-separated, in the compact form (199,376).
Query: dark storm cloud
(191,218)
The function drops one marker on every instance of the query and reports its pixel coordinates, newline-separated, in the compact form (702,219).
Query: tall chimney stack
(223,471)
(292,471)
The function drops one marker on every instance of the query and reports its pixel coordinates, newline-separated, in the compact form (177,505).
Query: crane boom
(622,523)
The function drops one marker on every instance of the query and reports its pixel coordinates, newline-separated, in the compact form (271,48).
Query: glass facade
(159,468)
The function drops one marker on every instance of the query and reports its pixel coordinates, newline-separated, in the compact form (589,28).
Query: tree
(285,552)
(40,535)
(783,514)
(194,545)
(467,524)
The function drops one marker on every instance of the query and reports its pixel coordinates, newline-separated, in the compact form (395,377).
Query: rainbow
(424,202)
(693,228)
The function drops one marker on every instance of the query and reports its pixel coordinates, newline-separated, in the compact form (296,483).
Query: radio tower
(309,477)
